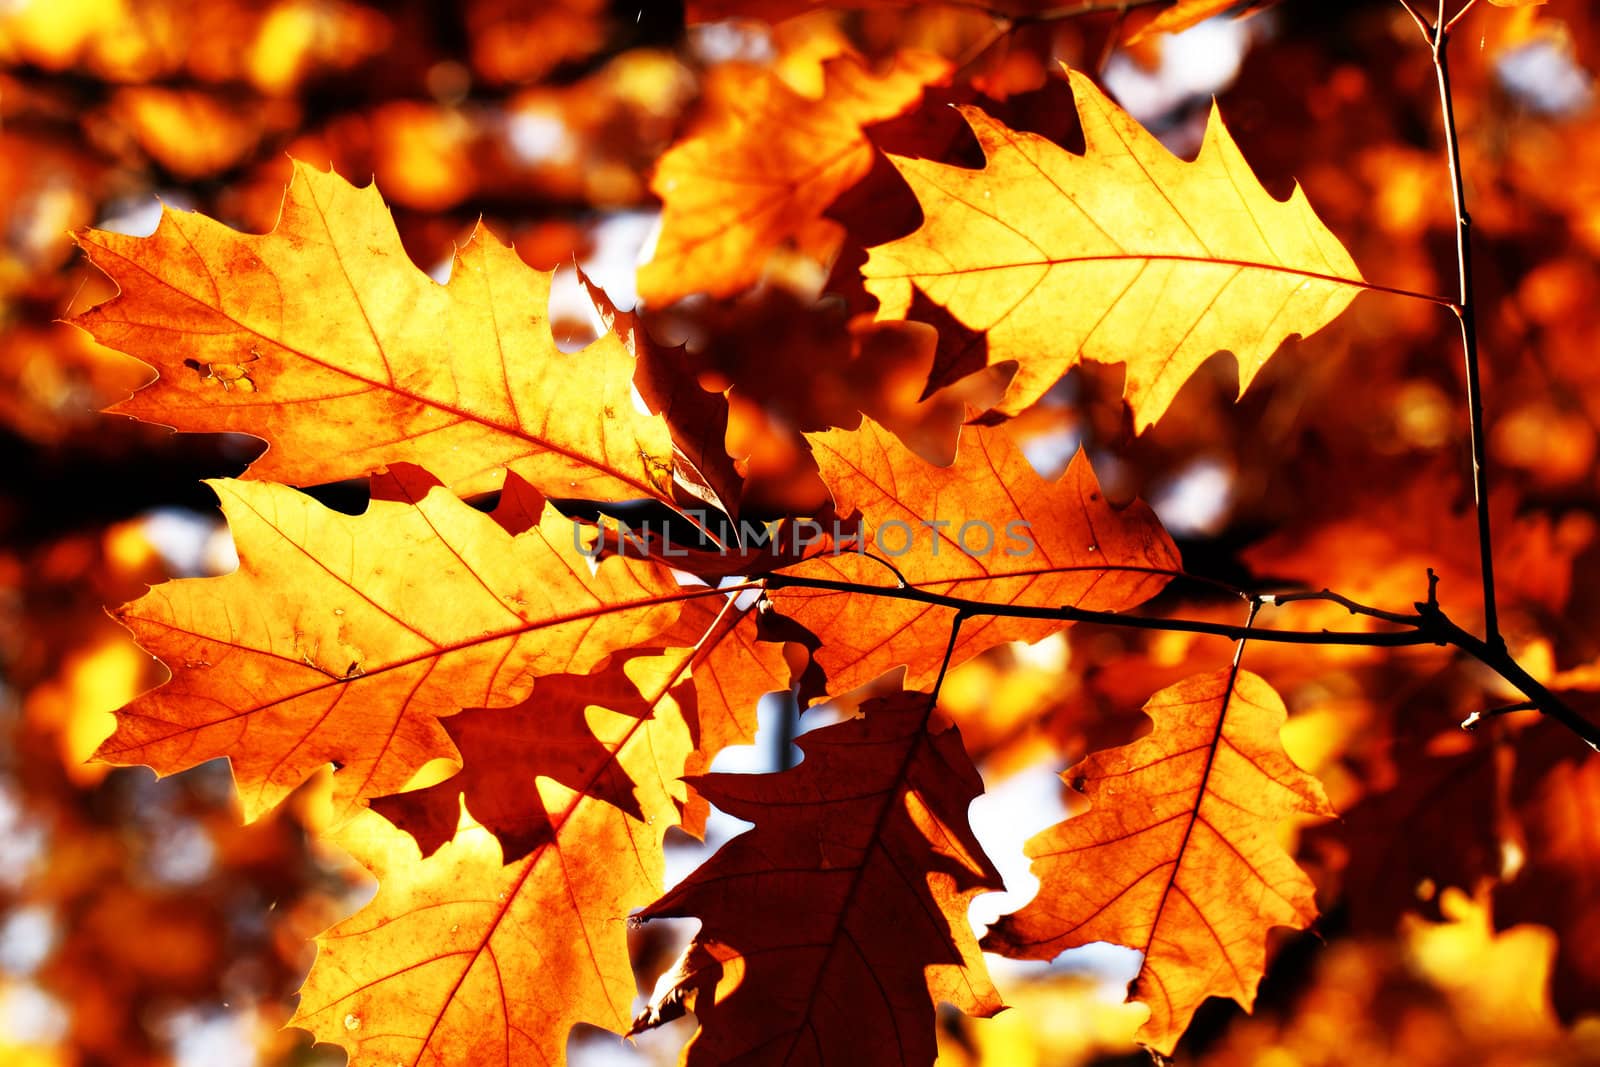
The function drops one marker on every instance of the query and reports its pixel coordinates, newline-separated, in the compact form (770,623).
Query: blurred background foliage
(141,924)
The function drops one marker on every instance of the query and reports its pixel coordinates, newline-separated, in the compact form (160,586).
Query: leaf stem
(1466,313)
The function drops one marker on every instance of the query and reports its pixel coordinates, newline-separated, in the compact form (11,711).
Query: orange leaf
(1074,548)
(462,960)
(1124,254)
(344,638)
(764,167)
(1182,15)
(697,419)
(831,930)
(712,684)
(324,339)
(1178,855)
(735,656)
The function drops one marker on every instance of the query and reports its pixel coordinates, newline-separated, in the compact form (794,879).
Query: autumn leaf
(1439,993)
(1124,254)
(1186,13)
(1178,855)
(513,732)
(712,682)
(344,638)
(323,339)
(696,418)
(864,855)
(734,652)
(986,528)
(192,133)
(460,959)
(763,167)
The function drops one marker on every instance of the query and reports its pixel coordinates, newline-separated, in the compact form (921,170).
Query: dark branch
(1429,625)
(1416,635)
(1466,312)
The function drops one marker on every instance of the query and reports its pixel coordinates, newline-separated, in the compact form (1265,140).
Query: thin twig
(1478,718)
(1499,660)
(1468,6)
(1067,613)
(1249,621)
(1349,605)
(1420,19)
(1429,626)
(899,578)
(1467,314)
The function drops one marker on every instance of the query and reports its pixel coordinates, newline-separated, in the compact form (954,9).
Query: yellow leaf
(1124,254)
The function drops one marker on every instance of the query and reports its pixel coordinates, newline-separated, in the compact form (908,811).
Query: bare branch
(1478,718)
(1459,15)
(1349,605)
(1428,626)
(1420,19)
(1466,312)
(1415,635)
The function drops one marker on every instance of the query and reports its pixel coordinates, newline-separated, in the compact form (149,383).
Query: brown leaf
(1186,13)
(712,683)
(1437,825)
(696,418)
(830,931)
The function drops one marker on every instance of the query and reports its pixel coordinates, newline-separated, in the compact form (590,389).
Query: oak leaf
(830,930)
(712,681)
(344,638)
(765,164)
(696,418)
(463,959)
(948,530)
(324,339)
(1178,854)
(1124,254)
